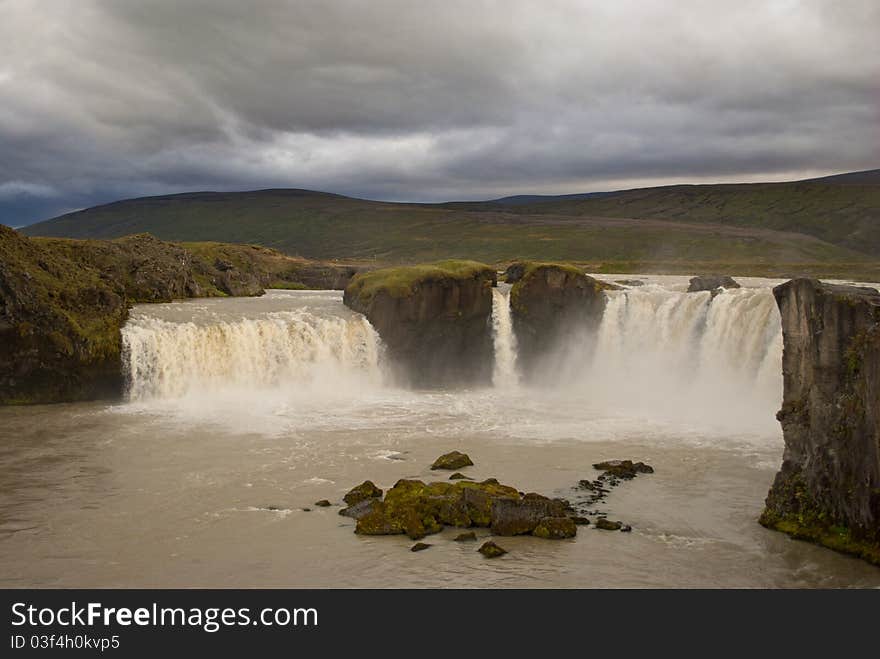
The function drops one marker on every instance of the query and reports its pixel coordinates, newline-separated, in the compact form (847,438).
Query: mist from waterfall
(665,353)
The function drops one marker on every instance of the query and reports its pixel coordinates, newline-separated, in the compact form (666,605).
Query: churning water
(241,412)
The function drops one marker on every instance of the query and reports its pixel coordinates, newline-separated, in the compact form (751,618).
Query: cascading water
(166,359)
(659,355)
(505,374)
(663,353)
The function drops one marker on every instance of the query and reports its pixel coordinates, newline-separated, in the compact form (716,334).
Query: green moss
(793,510)
(401,281)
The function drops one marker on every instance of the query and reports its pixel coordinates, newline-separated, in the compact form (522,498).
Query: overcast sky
(101,100)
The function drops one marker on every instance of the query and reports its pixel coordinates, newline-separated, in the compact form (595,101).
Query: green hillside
(817,228)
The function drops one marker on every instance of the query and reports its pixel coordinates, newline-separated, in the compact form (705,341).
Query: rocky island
(434,319)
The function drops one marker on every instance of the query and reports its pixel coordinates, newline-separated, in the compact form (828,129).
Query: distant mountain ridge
(830,220)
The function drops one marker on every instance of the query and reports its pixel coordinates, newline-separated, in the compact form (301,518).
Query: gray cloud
(426,101)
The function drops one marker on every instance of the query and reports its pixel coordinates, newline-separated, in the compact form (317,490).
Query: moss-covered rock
(555,528)
(550,302)
(523,515)
(362,492)
(419,546)
(433,319)
(490,550)
(467,536)
(458,476)
(417,509)
(452,460)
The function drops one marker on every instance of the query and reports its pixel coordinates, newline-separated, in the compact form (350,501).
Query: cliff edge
(828,489)
(549,301)
(435,319)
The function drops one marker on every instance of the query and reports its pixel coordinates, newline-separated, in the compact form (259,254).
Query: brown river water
(242,412)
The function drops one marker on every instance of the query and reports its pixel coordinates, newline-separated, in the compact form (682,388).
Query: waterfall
(165,359)
(668,352)
(504,375)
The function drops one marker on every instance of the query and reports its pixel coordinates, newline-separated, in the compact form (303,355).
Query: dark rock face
(711,283)
(59,326)
(549,302)
(514,272)
(435,321)
(828,489)
(522,516)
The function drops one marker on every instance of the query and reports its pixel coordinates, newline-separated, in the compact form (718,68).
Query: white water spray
(668,353)
(505,374)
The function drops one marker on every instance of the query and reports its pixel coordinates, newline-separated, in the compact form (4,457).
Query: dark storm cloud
(427,101)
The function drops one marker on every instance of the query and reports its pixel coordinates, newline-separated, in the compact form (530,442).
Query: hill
(815,228)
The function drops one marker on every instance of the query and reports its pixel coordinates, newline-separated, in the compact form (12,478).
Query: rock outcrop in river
(435,320)
(828,489)
(63,302)
(548,301)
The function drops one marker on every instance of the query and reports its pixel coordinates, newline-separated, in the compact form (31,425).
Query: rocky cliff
(435,320)
(63,302)
(549,301)
(828,489)
(59,326)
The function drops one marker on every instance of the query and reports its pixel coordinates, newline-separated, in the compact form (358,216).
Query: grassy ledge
(401,281)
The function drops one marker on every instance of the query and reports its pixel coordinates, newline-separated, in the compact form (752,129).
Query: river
(242,412)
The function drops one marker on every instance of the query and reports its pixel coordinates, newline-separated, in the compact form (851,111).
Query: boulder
(467,536)
(490,550)
(608,525)
(457,476)
(435,320)
(419,546)
(549,302)
(362,492)
(323,503)
(711,283)
(514,272)
(828,488)
(452,460)
(555,528)
(625,469)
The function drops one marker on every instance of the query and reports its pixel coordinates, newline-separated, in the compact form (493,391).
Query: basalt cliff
(434,319)
(549,302)
(828,489)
